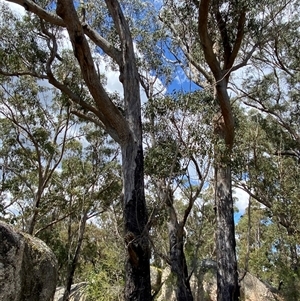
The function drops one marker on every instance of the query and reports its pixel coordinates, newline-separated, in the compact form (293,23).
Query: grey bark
(137,266)
(176,253)
(73,263)
(224,127)
(178,263)
(227,276)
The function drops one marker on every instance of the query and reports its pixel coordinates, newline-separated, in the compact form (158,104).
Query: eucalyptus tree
(37,51)
(264,171)
(34,131)
(270,87)
(271,84)
(264,249)
(90,182)
(211,40)
(271,179)
(104,258)
(178,168)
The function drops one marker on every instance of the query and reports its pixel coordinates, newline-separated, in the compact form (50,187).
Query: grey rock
(77,292)
(204,285)
(28,268)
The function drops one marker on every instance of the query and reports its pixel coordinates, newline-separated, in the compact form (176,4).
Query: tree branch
(221,78)
(56,20)
(238,41)
(113,52)
(37,10)
(128,71)
(23,73)
(224,35)
(205,39)
(110,115)
(245,60)
(187,53)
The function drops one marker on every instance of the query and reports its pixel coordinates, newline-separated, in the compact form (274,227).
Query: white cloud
(113,83)
(16,8)
(242,199)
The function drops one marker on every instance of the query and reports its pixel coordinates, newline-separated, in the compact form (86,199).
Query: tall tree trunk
(227,278)
(137,268)
(227,275)
(178,263)
(177,256)
(34,216)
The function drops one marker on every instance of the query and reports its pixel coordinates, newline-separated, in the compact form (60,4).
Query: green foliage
(176,127)
(268,168)
(32,140)
(267,251)
(105,276)
(200,240)
(163,160)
